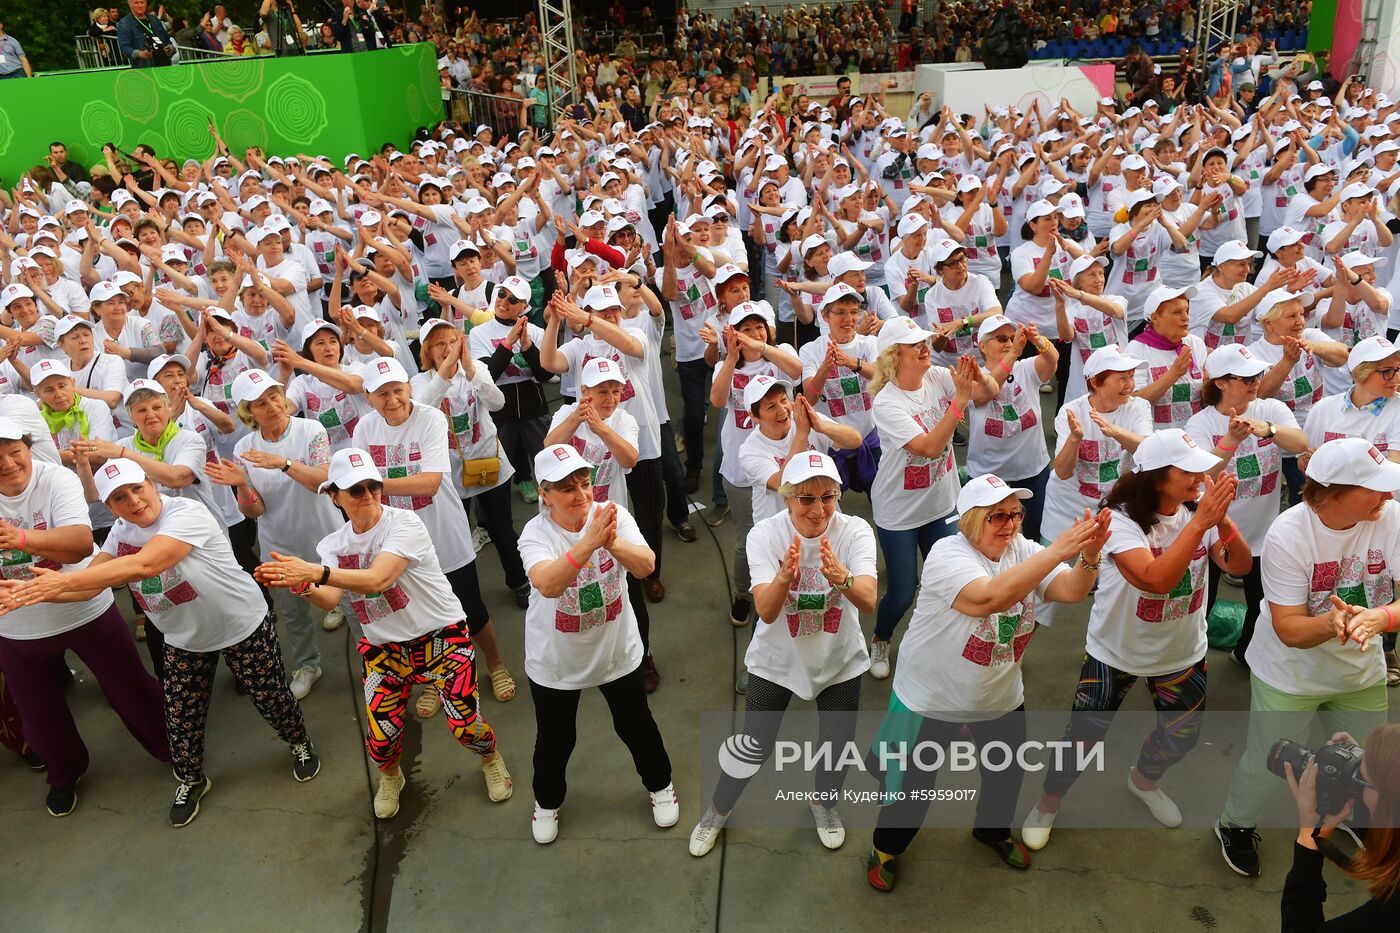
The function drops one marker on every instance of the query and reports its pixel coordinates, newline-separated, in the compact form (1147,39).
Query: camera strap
(1328,848)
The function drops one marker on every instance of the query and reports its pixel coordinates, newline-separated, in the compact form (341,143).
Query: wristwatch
(1273,429)
(849,582)
(287,466)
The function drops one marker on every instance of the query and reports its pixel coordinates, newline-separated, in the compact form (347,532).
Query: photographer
(1304,890)
(143,39)
(279,20)
(363,26)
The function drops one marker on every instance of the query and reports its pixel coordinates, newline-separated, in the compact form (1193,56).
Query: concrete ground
(269,853)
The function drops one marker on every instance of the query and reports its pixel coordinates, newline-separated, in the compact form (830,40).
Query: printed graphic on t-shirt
(844,392)
(923,472)
(1100,465)
(1002,638)
(605,467)
(336,414)
(1181,400)
(1185,598)
(1219,332)
(19,565)
(1140,264)
(372,607)
(1257,464)
(812,604)
(1303,387)
(158,594)
(1356,582)
(459,418)
(737,409)
(1378,441)
(961,343)
(397,463)
(1012,412)
(517,365)
(1090,332)
(595,598)
(696,300)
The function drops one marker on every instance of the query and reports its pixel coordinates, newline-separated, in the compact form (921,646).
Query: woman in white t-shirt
(956,304)
(1357,309)
(1296,355)
(1045,255)
(813,571)
(338,405)
(385,563)
(1174,357)
(836,372)
(960,663)
(917,407)
(580,632)
(1005,436)
(175,558)
(408,442)
(44,522)
(1248,434)
(1329,589)
(1149,618)
(1086,318)
(1369,409)
(1138,247)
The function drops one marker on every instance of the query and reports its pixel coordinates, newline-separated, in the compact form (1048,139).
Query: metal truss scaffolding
(560,75)
(1215,25)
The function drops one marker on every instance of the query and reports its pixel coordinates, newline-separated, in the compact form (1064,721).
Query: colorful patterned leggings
(256,662)
(1180,701)
(446,660)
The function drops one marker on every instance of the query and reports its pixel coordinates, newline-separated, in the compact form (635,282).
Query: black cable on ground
(358,696)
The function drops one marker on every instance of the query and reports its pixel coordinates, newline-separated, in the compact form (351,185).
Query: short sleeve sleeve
(407,537)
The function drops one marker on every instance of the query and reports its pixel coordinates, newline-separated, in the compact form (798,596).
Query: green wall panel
(327,104)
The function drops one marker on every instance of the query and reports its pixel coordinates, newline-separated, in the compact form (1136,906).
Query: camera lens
(1286,751)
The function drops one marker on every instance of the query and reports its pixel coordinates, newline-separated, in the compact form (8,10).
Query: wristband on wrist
(300,589)
(1234,530)
(957,413)
(1228,450)
(21,539)
(1391,616)
(325,575)
(572,563)
(1004,368)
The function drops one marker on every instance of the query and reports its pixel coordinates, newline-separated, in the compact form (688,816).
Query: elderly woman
(917,407)
(1249,435)
(956,305)
(1296,355)
(336,407)
(813,573)
(1356,310)
(285,461)
(1224,299)
(44,522)
(413,628)
(1086,318)
(1149,618)
(580,632)
(409,442)
(32,333)
(1004,433)
(174,556)
(975,616)
(1329,595)
(100,375)
(1173,356)
(1044,255)
(1137,246)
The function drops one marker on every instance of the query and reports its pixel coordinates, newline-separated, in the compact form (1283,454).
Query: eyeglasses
(1389,373)
(960,261)
(360,490)
(843,312)
(1247,380)
(1000,519)
(807,502)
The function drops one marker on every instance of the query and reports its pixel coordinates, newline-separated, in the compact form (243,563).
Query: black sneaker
(1237,656)
(186,805)
(62,799)
(305,763)
(34,761)
(522,596)
(740,611)
(1240,846)
(686,532)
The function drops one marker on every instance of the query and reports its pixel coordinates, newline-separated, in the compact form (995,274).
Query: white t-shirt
(1183,398)
(1101,461)
(845,396)
(337,411)
(420,601)
(1258,463)
(468,404)
(1005,435)
(1335,416)
(206,602)
(695,304)
(1208,300)
(965,668)
(609,476)
(1303,386)
(1359,321)
(1093,330)
(1150,634)
(419,445)
(187,449)
(635,401)
(817,640)
(942,305)
(53,499)
(1038,309)
(738,425)
(910,490)
(1304,563)
(761,456)
(588,636)
(295,517)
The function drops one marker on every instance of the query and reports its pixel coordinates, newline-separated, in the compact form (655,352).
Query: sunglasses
(1000,519)
(512,300)
(807,502)
(360,490)
(1247,380)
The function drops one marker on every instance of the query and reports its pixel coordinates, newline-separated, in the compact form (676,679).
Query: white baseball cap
(1039,209)
(842,263)
(811,243)
(748,309)
(808,465)
(47,369)
(11,430)
(1109,359)
(759,387)
(141,385)
(164,360)
(900,330)
(1162,294)
(348,467)
(1276,297)
(1352,461)
(377,373)
(116,474)
(1357,259)
(839,291)
(67,323)
(104,291)
(1357,190)
(1318,170)
(516,287)
(911,223)
(1284,236)
(599,370)
(1174,447)
(728,271)
(987,489)
(993,324)
(1071,205)
(1233,359)
(1084,263)
(13,292)
(1231,250)
(1134,163)
(557,462)
(251,384)
(1370,350)
(599,297)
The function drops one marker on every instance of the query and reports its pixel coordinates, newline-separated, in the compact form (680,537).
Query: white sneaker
(879,659)
(830,829)
(706,832)
(386,799)
(333,620)
(302,679)
(544,825)
(1035,831)
(665,807)
(480,538)
(498,783)
(1161,807)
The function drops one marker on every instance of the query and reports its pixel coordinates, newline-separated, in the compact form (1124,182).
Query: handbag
(483,471)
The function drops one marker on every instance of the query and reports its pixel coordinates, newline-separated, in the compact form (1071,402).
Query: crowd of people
(1057,357)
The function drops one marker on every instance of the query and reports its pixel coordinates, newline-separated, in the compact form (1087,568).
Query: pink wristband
(1391,616)
(1004,367)
(1228,450)
(572,563)
(953,407)
(21,539)
(1234,530)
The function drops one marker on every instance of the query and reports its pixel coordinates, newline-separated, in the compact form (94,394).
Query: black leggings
(1253,597)
(468,591)
(556,733)
(493,509)
(648,503)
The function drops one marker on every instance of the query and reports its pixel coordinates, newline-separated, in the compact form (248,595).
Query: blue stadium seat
(1053,49)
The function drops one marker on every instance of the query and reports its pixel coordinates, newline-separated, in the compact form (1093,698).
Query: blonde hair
(970,522)
(885,366)
(1276,310)
(245,413)
(1363,371)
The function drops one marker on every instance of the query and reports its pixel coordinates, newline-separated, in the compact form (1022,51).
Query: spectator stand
(99,52)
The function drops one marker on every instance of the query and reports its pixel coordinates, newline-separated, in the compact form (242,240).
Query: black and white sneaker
(1240,847)
(305,764)
(741,611)
(186,805)
(62,799)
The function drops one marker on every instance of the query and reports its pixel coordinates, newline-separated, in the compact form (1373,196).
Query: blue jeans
(695,395)
(673,476)
(903,550)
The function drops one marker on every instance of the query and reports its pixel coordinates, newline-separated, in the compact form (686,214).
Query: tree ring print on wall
(295,108)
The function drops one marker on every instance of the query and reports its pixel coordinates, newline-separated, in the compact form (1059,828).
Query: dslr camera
(1338,770)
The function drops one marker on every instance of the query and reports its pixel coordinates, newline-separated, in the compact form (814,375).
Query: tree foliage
(46,30)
